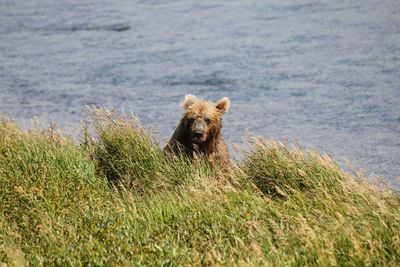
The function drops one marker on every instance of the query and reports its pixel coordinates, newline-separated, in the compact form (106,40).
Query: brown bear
(199,131)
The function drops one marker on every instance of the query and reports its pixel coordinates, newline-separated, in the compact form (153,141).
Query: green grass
(116,199)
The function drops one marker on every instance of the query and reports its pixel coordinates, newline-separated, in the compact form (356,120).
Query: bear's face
(202,120)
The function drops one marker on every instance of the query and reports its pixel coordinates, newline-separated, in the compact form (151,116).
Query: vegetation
(116,199)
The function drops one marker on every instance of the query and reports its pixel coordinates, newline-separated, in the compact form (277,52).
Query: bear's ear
(223,104)
(188,101)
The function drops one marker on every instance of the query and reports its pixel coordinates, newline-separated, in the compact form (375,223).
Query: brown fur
(204,117)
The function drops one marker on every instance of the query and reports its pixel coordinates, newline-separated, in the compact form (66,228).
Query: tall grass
(116,199)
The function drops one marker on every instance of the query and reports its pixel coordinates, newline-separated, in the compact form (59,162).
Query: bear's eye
(208,120)
(191,120)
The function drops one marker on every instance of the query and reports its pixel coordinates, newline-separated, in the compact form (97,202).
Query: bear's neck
(210,145)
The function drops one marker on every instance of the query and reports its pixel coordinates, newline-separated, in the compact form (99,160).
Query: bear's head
(202,120)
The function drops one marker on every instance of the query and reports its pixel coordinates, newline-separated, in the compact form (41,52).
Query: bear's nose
(198,134)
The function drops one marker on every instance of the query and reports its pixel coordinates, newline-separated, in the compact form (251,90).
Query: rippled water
(324,72)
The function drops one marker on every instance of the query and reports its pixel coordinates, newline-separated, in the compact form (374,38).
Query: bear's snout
(198,134)
(198,131)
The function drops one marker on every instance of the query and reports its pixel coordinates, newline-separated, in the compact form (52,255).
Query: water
(324,72)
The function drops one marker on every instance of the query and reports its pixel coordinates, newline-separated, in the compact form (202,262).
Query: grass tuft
(279,170)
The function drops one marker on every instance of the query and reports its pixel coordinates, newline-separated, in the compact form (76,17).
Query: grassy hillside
(115,199)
